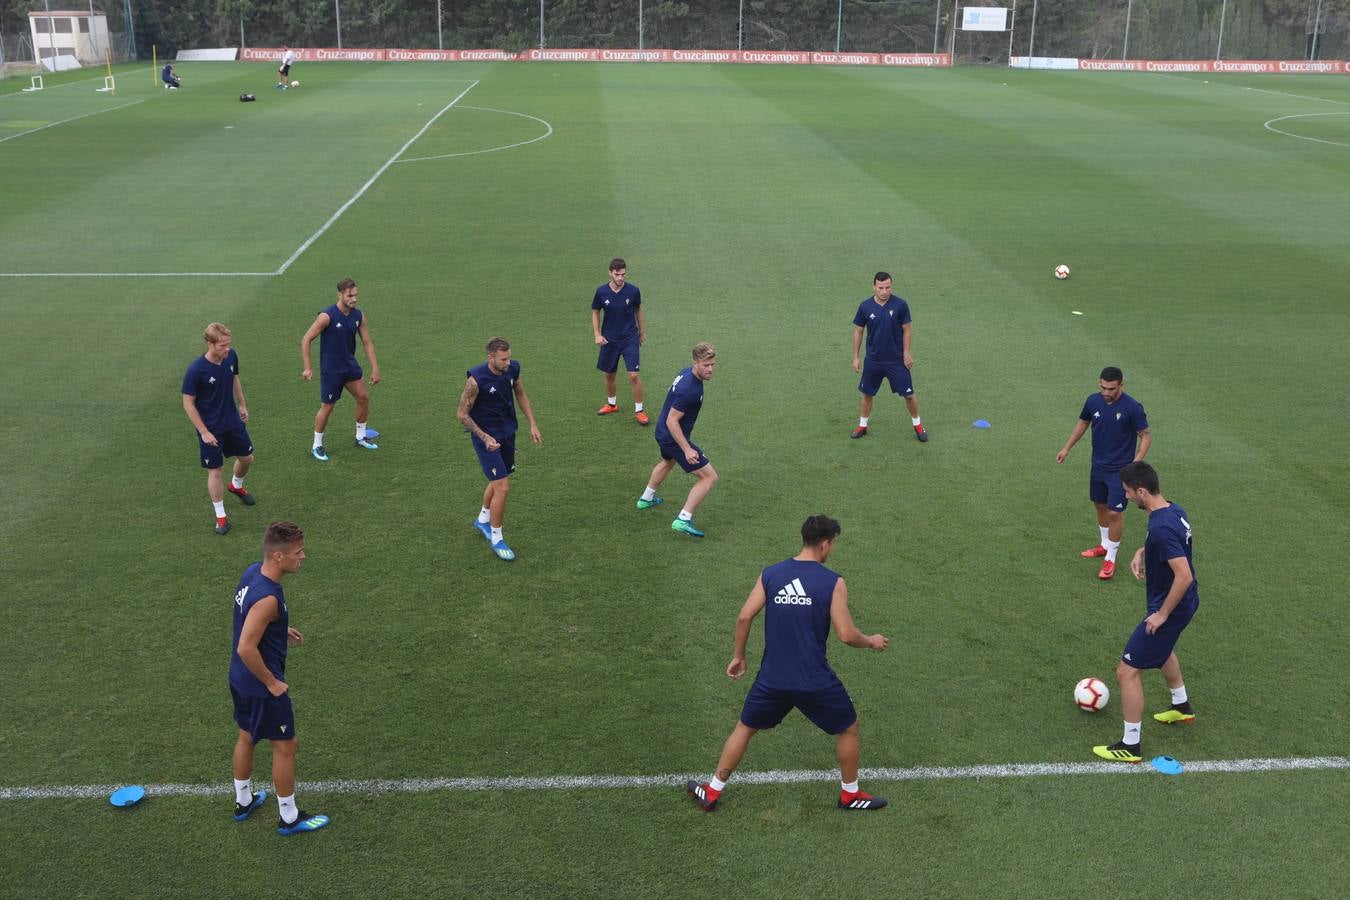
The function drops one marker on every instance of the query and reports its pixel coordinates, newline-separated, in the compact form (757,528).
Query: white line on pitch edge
(588,782)
(135,274)
(365,187)
(96,112)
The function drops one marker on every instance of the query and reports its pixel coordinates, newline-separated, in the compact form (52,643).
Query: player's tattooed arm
(466,400)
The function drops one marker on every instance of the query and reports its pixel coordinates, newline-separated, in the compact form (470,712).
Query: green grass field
(753,205)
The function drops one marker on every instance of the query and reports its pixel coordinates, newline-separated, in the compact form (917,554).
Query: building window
(63,25)
(84,25)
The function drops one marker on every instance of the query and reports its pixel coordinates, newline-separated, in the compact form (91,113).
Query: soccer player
(337,328)
(213,398)
(284,71)
(170,77)
(1120,436)
(622,332)
(889,331)
(262,699)
(673,428)
(800,599)
(1165,565)
(487,410)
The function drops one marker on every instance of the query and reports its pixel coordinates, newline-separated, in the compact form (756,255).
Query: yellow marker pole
(107,59)
(154,65)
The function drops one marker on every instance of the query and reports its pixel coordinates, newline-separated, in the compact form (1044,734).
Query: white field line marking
(587,782)
(410,80)
(96,112)
(548,133)
(1304,137)
(135,274)
(365,187)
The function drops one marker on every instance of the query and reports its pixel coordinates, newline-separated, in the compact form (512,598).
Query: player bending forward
(801,599)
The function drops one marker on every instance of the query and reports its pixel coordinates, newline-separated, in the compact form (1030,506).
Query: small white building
(65,39)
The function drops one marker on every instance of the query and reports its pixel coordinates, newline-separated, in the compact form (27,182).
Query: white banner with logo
(984,18)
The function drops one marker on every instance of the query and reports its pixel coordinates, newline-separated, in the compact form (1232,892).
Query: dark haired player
(487,410)
(213,398)
(262,699)
(674,426)
(1116,420)
(801,599)
(620,334)
(889,330)
(337,328)
(1168,571)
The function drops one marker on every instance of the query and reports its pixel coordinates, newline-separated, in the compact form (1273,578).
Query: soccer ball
(1062,272)
(1065,268)
(1091,695)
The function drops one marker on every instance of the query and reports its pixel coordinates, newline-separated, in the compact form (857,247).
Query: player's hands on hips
(879,641)
(243,413)
(492,443)
(909,361)
(736,668)
(277,688)
(294,636)
(308,374)
(1137,565)
(209,439)
(1154,622)
(691,456)
(374,377)
(600,339)
(857,365)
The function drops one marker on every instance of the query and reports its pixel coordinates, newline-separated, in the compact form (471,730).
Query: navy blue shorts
(1150,651)
(234,442)
(610,353)
(830,709)
(896,373)
(264,718)
(497,464)
(671,450)
(1105,486)
(330,386)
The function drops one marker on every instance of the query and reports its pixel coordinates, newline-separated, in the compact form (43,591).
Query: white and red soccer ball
(1062,272)
(1091,695)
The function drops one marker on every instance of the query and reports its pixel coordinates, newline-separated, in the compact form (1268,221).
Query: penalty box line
(591,782)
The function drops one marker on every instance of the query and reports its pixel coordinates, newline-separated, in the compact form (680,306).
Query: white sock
(219,507)
(1131,733)
(849,787)
(496,535)
(484,515)
(686,515)
(243,792)
(237,482)
(1106,536)
(717,784)
(914,420)
(318,439)
(1179,695)
(612,401)
(288,811)
(862,421)
(1111,548)
(360,430)
(637,407)
(649,493)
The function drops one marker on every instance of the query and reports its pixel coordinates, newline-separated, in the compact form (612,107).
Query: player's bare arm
(293,636)
(524,402)
(368,343)
(239,399)
(1145,441)
(842,621)
(677,433)
(857,348)
(262,613)
(320,323)
(466,400)
(906,334)
(642,327)
(1078,431)
(1137,564)
(752,607)
(595,326)
(190,407)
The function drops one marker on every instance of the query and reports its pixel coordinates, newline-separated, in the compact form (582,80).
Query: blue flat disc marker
(127,796)
(372,433)
(981,423)
(1167,765)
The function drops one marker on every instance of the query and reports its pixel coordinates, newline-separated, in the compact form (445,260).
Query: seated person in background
(170,77)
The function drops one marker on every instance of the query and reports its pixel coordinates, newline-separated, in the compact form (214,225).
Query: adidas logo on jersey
(793,594)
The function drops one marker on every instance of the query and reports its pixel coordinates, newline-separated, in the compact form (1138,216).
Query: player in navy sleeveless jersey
(620,334)
(674,426)
(1120,436)
(337,328)
(801,599)
(262,699)
(213,398)
(886,320)
(1166,566)
(487,410)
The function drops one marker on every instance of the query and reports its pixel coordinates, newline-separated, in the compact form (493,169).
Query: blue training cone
(127,796)
(981,423)
(1167,765)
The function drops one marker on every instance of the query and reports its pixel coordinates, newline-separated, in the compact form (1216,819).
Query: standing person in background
(621,333)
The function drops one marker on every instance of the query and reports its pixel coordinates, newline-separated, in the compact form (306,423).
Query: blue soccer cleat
(319,453)
(485,528)
(242,812)
(648,504)
(304,822)
(367,444)
(503,552)
(685,527)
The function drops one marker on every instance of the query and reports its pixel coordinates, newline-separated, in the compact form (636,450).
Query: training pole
(107,60)
(154,65)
